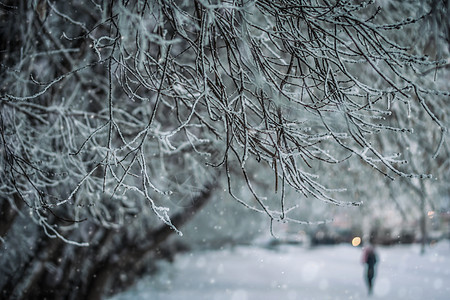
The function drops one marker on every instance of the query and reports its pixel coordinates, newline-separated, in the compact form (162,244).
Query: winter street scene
(224,149)
(289,272)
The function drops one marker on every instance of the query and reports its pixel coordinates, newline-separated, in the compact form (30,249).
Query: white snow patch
(290,272)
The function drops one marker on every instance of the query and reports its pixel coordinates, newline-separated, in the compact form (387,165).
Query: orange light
(356,241)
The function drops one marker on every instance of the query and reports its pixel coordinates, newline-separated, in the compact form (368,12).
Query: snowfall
(295,272)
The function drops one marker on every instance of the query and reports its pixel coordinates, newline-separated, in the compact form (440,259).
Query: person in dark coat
(369,259)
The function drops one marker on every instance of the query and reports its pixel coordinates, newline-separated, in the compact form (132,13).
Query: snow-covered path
(290,272)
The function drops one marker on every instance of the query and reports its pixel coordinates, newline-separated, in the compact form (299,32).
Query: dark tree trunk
(57,270)
(131,259)
(8,213)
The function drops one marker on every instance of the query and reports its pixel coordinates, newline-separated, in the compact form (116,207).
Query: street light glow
(356,241)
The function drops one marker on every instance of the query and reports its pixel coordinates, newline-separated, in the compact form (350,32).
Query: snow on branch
(129,96)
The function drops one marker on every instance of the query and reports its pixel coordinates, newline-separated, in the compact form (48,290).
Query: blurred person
(369,258)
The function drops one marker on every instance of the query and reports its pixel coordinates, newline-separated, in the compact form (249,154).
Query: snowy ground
(291,272)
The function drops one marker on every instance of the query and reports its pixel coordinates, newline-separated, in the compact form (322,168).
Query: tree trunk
(57,270)
(131,259)
(423,224)
(8,213)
